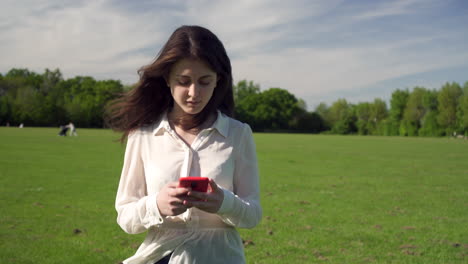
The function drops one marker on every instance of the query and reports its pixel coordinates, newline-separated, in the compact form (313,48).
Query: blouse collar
(221,125)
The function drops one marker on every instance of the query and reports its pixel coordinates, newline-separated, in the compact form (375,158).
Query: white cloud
(313,72)
(390,8)
(80,39)
(315,49)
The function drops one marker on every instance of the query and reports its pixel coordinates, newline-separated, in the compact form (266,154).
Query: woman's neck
(189,135)
(176,119)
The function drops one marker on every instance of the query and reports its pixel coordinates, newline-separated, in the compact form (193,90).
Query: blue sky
(319,50)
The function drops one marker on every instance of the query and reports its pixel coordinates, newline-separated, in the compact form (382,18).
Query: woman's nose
(194,90)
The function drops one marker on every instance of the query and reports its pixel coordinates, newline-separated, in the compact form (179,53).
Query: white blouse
(155,155)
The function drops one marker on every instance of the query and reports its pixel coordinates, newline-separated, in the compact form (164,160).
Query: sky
(318,50)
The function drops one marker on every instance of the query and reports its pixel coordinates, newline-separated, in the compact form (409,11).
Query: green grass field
(326,199)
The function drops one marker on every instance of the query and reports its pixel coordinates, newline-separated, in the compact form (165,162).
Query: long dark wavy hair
(151,97)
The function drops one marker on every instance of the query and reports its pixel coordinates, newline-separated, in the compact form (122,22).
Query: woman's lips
(193,102)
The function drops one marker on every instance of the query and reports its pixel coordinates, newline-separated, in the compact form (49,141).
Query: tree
(25,96)
(244,94)
(104,92)
(378,113)
(274,109)
(3,87)
(429,125)
(50,79)
(5,110)
(308,122)
(85,98)
(25,77)
(302,105)
(397,108)
(363,115)
(448,99)
(26,107)
(324,112)
(48,99)
(462,112)
(244,89)
(342,117)
(414,112)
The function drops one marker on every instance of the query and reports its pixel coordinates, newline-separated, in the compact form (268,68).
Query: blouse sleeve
(136,210)
(241,208)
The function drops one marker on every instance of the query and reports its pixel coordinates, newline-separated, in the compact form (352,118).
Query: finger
(199,204)
(189,198)
(197,195)
(174,184)
(182,191)
(213,185)
(188,204)
(176,202)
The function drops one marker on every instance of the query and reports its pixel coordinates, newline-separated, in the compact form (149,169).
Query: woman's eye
(183,83)
(205,81)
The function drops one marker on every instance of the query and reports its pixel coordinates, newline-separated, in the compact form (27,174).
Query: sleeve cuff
(152,211)
(228,202)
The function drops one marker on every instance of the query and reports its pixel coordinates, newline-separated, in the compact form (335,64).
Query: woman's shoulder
(144,130)
(237,127)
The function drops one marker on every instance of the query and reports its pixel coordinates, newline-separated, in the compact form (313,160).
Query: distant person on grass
(177,122)
(63,131)
(72,128)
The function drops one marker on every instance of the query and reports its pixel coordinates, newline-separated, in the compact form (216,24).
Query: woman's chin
(192,110)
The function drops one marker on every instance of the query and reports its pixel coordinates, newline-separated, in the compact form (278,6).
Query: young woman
(177,122)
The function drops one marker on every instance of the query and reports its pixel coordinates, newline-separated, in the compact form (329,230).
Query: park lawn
(326,199)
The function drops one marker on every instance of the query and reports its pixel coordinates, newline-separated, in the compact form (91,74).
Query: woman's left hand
(209,202)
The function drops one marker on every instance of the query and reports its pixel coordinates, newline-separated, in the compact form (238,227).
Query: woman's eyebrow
(187,76)
(206,76)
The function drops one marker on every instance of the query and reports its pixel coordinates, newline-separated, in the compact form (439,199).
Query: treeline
(49,100)
(274,109)
(419,112)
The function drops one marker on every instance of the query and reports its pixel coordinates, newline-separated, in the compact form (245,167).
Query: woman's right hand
(171,198)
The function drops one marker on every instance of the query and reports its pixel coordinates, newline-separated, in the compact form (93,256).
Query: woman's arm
(241,208)
(136,211)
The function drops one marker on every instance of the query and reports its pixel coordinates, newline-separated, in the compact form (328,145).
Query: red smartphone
(199,184)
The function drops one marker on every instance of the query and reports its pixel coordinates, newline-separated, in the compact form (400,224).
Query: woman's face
(192,83)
